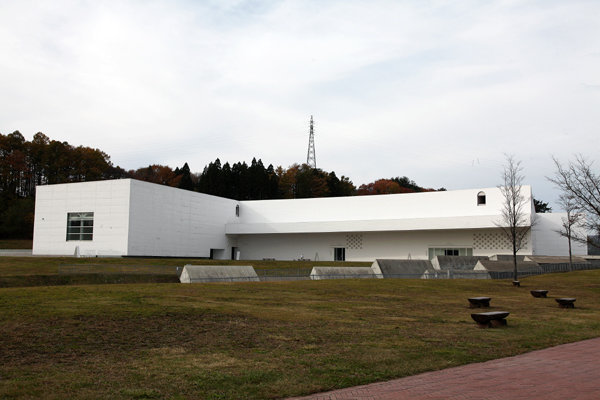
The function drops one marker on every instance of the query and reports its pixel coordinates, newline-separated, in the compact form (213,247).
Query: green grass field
(267,340)
(53,265)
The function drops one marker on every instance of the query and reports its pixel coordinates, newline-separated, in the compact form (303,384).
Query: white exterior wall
(389,226)
(108,200)
(398,212)
(367,246)
(547,242)
(133,218)
(170,222)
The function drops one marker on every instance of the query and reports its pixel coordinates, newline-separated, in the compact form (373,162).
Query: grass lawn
(23,266)
(268,340)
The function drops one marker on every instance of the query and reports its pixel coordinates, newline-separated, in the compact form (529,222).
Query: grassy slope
(51,265)
(268,340)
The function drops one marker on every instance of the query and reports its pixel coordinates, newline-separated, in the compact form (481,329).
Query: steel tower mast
(311,158)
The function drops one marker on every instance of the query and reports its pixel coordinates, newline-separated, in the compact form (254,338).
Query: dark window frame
(481,199)
(339,254)
(80,226)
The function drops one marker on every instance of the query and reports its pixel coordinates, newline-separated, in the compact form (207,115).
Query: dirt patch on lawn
(69,340)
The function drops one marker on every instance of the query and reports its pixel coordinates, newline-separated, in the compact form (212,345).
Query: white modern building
(127,217)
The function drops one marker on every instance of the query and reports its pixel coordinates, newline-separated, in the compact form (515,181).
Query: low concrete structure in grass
(498,269)
(457,267)
(507,257)
(491,319)
(539,293)
(455,274)
(319,273)
(218,273)
(463,263)
(417,269)
(555,259)
(479,302)
(566,302)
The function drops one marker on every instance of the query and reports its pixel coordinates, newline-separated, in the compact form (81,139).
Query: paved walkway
(570,371)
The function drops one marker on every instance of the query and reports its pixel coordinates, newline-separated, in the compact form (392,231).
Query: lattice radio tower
(311,158)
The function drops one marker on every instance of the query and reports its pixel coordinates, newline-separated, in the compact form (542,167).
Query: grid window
(449,251)
(80,226)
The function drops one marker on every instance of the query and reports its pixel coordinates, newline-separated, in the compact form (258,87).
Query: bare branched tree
(570,223)
(581,184)
(516,218)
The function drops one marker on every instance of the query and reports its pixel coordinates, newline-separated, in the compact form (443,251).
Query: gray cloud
(397,88)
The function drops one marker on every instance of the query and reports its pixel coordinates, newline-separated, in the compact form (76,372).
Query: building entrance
(339,254)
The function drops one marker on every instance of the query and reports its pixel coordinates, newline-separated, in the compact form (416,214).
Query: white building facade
(133,218)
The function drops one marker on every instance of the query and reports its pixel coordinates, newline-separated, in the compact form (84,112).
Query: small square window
(80,226)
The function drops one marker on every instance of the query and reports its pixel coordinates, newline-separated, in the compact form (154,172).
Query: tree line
(241,181)
(25,164)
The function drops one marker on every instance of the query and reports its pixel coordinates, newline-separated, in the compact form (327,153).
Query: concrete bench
(566,302)
(479,302)
(539,293)
(492,319)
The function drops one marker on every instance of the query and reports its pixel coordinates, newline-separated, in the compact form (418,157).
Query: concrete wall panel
(367,246)
(548,242)
(170,222)
(456,209)
(108,200)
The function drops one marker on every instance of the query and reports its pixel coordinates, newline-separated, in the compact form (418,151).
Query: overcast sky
(434,90)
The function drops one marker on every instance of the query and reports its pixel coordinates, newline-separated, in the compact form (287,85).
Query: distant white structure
(218,273)
(133,218)
(394,268)
(319,273)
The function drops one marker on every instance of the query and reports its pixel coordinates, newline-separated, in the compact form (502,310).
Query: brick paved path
(570,371)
